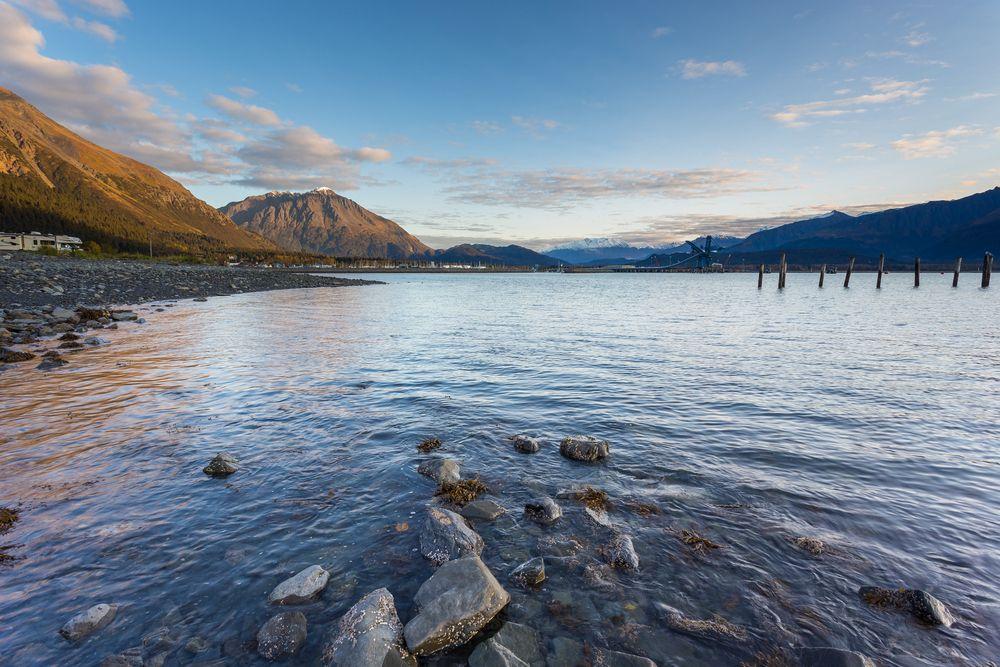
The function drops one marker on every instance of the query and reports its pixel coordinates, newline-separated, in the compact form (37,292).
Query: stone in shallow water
(921,604)
(530,573)
(521,640)
(442,471)
(368,635)
(221,466)
(715,628)
(526,444)
(282,635)
(491,653)
(823,656)
(446,536)
(301,588)
(584,448)
(566,651)
(482,510)
(454,604)
(543,510)
(621,553)
(10,356)
(88,622)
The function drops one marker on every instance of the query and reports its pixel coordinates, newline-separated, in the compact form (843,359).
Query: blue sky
(532,122)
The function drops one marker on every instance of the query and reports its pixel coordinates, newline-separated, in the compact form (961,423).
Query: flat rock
(491,653)
(88,622)
(222,465)
(921,604)
(368,635)
(446,536)
(824,656)
(621,553)
(584,448)
(442,471)
(64,314)
(282,635)
(124,316)
(454,604)
(482,510)
(715,628)
(543,510)
(526,444)
(301,588)
(565,651)
(529,573)
(521,640)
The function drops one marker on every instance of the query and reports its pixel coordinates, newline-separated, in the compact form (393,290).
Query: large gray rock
(222,465)
(528,445)
(442,471)
(824,656)
(584,448)
(62,314)
(921,604)
(301,588)
(482,510)
(446,536)
(282,635)
(621,553)
(491,653)
(368,635)
(530,573)
(88,622)
(522,641)
(564,651)
(454,604)
(543,510)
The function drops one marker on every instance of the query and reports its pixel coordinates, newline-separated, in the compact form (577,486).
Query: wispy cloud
(916,38)
(661,31)
(102,30)
(909,58)
(249,113)
(486,126)
(971,97)
(697,69)
(47,9)
(882,91)
(936,143)
(436,164)
(113,8)
(536,127)
(294,87)
(243,91)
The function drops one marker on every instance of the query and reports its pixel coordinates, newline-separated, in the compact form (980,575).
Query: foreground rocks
(621,553)
(88,622)
(529,573)
(446,536)
(543,510)
(713,629)
(454,604)
(584,448)
(222,465)
(566,651)
(832,657)
(368,635)
(920,604)
(526,444)
(282,635)
(442,471)
(301,588)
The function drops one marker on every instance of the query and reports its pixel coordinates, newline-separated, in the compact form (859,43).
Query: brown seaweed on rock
(429,445)
(8,517)
(594,499)
(697,542)
(461,492)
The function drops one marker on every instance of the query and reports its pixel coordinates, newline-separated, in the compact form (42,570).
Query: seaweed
(697,542)
(429,445)
(8,517)
(595,499)
(642,509)
(461,492)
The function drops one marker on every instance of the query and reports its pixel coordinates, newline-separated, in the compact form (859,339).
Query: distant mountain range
(613,251)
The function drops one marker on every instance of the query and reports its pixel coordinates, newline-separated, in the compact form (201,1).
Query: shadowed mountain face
(511,255)
(323,222)
(52,180)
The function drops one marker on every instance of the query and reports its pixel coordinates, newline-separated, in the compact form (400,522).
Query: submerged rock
(282,635)
(483,510)
(11,356)
(88,622)
(543,510)
(584,448)
(522,641)
(368,635)
(526,444)
(301,588)
(566,651)
(221,466)
(446,536)
(442,471)
(824,656)
(621,553)
(810,545)
(51,361)
(491,653)
(921,604)
(715,628)
(454,604)
(529,573)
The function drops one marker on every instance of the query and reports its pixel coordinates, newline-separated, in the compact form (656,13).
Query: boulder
(621,553)
(88,622)
(920,604)
(543,510)
(584,448)
(566,651)
(491,653)
(368,635)
(824,656)
(454,604)
(222,465)
(282,635)
(301,588)
(442,471)
(446,536)
(529,573)
(482,510)
(528,445)
(522,641)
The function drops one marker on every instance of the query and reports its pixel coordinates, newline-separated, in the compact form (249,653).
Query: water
(865,419)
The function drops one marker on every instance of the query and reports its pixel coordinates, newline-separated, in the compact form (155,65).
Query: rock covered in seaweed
(921,604)
(526,444)
(543,510)
(715,628)
(621,553)
(446,536)
(222,465)
(584,448)
(368,635)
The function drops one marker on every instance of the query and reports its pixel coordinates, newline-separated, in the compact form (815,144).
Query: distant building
(37,241)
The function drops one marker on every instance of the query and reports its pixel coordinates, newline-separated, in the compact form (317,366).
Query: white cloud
(113,8)
(102,30)
(486,126)
(916,38)
(661,31)
(971,97)
(882,91)
(249,113)
(534,126)
(294,87)
(860,146)
(47,9)
(696,69)
(936,143)
(243,91)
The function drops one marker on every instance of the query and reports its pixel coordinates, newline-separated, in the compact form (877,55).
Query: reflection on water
(863,419)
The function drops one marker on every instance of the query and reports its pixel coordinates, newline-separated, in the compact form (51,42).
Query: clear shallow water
(866,419)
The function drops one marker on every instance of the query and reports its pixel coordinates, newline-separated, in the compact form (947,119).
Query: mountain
(52,180)
(323,222)
(594,252)
(768,239)
(511,255)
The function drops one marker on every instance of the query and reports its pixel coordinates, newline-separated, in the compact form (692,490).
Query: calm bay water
(865,419)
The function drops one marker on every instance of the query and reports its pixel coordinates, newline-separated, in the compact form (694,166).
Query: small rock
(621,553)
(823,656)
(11,356)
(88,622)
(482,510)
(566,651)
(301,588)
(529,573)
(584,448)
(526,444)
(282,635)
(543,510)
(442,471)
(922,605)
(368,635)
(70,345)
(810,545)
(200,299)
(196,645)
(51,361)
(454,604)
(522,641)
(221,466)
(94,341)
(64,314)
(446,536)
(491,653)
(715,628)
(123,316)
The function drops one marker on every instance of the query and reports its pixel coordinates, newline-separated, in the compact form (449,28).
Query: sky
(532,122)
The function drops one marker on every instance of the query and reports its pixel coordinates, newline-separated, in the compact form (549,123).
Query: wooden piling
(850,270)
(987,269)
(822,272)
(916,272)
(958,270)
(783,267)
(760,277)
(881,270)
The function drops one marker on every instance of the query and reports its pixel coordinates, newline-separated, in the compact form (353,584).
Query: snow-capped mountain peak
(591,244)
